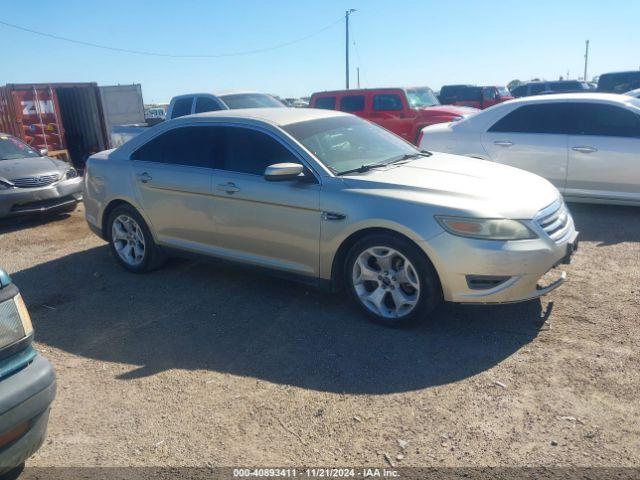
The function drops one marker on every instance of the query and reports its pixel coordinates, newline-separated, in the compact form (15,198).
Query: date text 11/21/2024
(315,473)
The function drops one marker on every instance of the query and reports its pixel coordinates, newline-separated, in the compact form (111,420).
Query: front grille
(39,181)
(11,329)
(555,220)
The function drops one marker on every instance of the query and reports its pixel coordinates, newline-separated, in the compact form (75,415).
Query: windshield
(421,97)
(251,100)
(11,148)
(347,143)
(504,92)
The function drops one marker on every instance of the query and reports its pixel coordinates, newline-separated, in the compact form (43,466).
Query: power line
(161,54)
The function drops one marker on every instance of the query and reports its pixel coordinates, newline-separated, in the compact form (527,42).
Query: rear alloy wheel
(128,240)
(131,241)
(391,280)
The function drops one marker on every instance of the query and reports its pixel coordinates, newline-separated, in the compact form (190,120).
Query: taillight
(420,137)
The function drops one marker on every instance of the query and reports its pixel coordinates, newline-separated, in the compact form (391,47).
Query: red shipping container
(57,117)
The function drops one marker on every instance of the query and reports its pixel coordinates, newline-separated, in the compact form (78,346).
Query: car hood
(30,166)
(448,110)
(461,185)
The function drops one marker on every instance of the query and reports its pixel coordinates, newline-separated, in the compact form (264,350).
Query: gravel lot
(204,364)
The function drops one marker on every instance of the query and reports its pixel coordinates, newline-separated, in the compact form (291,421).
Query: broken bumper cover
(481,271)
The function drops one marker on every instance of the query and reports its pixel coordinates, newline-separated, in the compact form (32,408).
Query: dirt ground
(204,364)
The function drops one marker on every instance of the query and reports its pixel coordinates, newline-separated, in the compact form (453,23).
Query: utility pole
(358,70)
(586,59)
(346,17)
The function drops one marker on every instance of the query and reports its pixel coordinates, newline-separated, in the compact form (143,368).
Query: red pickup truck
(404,111)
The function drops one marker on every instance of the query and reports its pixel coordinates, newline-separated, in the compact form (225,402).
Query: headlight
(71,173)
(24,314)
(15,323)
(487,229)
(455,119)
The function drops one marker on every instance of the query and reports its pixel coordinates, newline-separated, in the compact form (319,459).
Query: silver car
(586,144)
(31,182)
(332,199)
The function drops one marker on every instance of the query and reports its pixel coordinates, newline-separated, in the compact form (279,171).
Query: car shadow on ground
(201,315)
(606,224)
(14,224)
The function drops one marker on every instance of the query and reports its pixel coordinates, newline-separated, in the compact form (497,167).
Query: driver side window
(245,150)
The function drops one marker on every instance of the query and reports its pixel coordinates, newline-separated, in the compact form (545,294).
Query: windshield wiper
(401,158)
(409,156)
(362,168)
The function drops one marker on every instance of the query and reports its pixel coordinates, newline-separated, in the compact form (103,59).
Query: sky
(395,43)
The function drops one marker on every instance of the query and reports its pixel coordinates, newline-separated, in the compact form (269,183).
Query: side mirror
(44,152)
(279,172)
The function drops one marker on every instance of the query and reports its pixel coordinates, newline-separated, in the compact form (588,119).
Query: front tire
(391,280)
(131,241)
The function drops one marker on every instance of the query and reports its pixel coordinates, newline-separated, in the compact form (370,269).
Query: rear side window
(490,93)
(520,91)
(189,146)
(565,86)
(328,103)
(182,107)
(387,101)
(537,88)
(449,94)
(206,104)
(249,151)
(543,118)
(619,82)
(449,91)
(352,103)
(468,94)
(605,120)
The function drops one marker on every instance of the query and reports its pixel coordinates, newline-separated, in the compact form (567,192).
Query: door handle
(144,177)
(228,187)
(503,143)
(585,149)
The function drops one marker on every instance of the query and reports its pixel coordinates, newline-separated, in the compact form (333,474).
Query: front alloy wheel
(386,282)
(392,280)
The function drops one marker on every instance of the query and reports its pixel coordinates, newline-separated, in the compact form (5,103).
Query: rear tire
(131,242)
(391,280)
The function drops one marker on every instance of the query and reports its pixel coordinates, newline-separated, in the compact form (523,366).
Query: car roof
(240,92)
(534,82)
(220,94)
(620,73)
(276,116)
(363,90)
(564,97)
